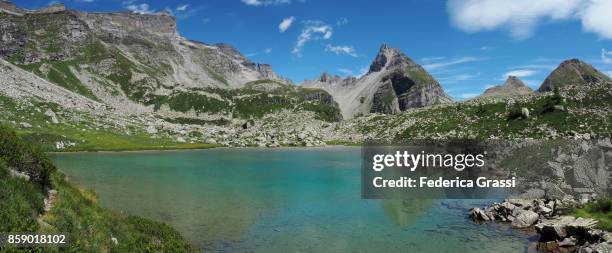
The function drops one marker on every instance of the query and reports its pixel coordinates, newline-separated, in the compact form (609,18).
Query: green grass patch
(600,210)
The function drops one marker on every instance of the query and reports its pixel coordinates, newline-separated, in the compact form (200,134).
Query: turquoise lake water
(280,200)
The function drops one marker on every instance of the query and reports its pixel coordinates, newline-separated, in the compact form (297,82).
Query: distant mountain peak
(328,78)
(573,72)
(512,87)
(514,81)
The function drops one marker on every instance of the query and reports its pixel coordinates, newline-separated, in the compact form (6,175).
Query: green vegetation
(75,211)
(85,133)
(252,101)
(185,101)
(61,74)
(217,76)
(561,112)
(600,210)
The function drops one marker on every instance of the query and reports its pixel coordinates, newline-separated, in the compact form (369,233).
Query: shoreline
(148,149)
(559,229)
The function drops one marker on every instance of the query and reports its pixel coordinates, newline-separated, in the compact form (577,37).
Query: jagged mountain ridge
(123,59)
(394,83)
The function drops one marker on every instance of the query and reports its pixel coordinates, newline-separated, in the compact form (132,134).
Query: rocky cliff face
(394,83)
(573,72)
(146,47)
(512,87)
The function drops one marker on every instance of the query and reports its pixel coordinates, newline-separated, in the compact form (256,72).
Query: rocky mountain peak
(266,72)
(384,56)
(514,82)
(388,57)
(328,78)
(512,87)
(573,72)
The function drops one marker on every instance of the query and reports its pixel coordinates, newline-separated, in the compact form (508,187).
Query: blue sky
(467,45)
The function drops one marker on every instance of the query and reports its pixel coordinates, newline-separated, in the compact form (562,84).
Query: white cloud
(521,17)
(438,65)
(457,78)
(265,51)
(606,56)
(520,73)
(535,66)
(182,7)
(348,50)
(437,58)
(285,24)
(345,71)
(265,2)
(596,18)
(342,21)
(609,73)
(205,20)
(468,95)
(313,30)
(139,8)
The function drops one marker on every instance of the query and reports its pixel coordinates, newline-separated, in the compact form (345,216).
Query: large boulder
(525,219)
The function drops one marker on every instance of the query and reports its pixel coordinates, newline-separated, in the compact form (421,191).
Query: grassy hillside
(569,111)
(255,100)
(75,211)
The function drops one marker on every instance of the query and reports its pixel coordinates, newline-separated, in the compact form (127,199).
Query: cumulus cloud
(596,18)
(519,73)
(606,56)
(285,24)
(348,50)
(342,21)
(265,2)
(521,17)
(139,8)
(313,30)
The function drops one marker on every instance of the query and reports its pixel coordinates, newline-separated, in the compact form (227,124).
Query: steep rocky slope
(394,83)
(511,88)
(119,58)
(573,72)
